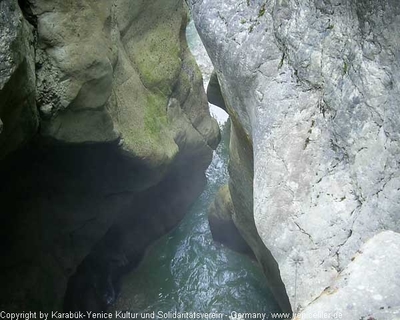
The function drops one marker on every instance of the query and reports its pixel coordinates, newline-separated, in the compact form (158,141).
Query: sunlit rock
(314,86)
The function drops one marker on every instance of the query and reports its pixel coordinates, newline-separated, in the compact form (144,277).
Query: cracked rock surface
(315,84)
(372,273)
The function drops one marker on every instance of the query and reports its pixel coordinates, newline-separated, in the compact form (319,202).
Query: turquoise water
(185,271)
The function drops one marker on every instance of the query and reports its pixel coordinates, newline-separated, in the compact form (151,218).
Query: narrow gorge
(104,145)
(126,187)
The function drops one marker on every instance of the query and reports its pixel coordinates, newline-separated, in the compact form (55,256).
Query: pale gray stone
(315,84)
(368,288)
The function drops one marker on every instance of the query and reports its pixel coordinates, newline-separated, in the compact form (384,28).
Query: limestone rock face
(125,137)
(90,55)
(18,115)
(315,86)
(75,60)
(372,273)
(241,177)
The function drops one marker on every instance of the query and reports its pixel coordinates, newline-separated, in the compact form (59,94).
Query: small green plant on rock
(262,11)
(345,68)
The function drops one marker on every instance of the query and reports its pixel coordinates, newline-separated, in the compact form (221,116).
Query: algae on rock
(123,120)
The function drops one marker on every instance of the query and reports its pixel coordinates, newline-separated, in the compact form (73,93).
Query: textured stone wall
(18,113)
(123,141)
(314,84)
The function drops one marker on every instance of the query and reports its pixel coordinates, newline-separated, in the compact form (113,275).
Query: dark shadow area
(89,208)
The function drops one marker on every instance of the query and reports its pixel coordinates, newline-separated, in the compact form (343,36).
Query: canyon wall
(313,87)
(105,136)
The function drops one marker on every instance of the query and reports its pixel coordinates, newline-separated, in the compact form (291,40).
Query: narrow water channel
(185,271)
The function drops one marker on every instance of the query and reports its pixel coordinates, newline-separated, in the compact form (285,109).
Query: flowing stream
(185,271)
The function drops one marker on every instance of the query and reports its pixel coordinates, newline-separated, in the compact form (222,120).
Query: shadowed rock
(214,93)
(125,137)
(18,114)
(223,229)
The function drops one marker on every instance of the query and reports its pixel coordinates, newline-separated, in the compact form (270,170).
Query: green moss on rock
(157,48)
(149,137)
